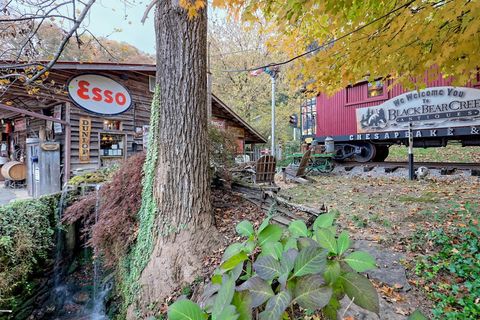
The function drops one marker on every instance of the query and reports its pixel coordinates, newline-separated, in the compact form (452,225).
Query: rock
(81,297)
(387,311)
(390,271)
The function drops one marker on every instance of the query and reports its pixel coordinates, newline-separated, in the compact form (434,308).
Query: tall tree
(184,229)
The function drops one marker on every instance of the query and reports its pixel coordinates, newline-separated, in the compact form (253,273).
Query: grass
(424,198)
(451,153)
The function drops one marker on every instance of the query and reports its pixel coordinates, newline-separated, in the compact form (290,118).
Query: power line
(323,45)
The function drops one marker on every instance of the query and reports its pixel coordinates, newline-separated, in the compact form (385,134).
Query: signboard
(85,128)
(99,94)
(20,125)
(430,108)
(57,114)
(218,123)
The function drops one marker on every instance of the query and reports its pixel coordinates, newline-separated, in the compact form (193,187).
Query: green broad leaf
(310,260)
(288,260)
(185,310)
(234,261)
(417,315)
(259,290)
(217,279)
(243,303)
(245,228)
(343,243)
(276,306)
(273,249)
(361,291)
(290,244)
(360,261)
(286,265)
(224,296)
(236,272)
(209,291)
(272,233)
(324,221)
(228,313)
(306,242)
(249,246)
(263,225)
(332,272)
(311,292)
(267,267)
(326,239)
(232,250)
(298,229)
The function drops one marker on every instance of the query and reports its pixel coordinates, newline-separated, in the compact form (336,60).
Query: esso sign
(99,94)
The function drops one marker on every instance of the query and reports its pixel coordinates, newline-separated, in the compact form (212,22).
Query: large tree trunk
(182,189)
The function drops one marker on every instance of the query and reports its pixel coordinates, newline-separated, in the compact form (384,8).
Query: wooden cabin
(92,115)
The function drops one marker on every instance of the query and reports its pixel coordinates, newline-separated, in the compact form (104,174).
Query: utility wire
(275,64)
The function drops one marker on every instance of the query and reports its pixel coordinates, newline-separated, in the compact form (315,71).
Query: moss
(139,255)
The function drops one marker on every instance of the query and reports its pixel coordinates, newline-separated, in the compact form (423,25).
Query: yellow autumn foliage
(419,36)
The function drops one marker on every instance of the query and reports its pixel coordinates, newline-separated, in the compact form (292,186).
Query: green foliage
(95,177)
(185,310)
(417,315)
(134,264)
(223,145)
(452,271)
(26,239)
(296,266)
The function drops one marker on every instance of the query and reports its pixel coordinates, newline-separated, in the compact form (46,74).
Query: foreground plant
(452,267)
(277,269)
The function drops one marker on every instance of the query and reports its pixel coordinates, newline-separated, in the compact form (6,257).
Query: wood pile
(266,198)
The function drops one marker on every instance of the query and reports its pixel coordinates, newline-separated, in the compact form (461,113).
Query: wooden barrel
(14,170)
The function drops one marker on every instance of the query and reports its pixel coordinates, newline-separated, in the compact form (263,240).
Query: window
(375,89)
(112,125)
(111,145)
(309,117)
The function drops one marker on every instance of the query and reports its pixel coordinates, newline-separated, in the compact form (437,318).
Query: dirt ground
(393,213)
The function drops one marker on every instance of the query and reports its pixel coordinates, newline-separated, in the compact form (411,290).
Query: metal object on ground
(329,145)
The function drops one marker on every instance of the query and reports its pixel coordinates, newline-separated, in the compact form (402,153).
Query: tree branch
(147,10)
(64,42)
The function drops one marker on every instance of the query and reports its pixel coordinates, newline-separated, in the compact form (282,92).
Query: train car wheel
(366,153)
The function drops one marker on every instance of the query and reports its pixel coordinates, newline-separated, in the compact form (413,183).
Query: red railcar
(366,118)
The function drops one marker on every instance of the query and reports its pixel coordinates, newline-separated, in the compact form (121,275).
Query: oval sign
(99,94)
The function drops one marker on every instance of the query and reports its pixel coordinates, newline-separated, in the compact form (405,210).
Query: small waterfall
(59,246)
(98,312)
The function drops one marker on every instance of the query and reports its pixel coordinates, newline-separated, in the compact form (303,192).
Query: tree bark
(184,230)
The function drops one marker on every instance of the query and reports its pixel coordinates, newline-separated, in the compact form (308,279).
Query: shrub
(223,146)
(119,202)
(276,271)
(26,239)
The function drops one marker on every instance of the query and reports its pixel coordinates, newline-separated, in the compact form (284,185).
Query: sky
(106,16)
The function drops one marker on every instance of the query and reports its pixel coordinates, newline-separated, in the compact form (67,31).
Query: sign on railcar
(99,94)
(430,108)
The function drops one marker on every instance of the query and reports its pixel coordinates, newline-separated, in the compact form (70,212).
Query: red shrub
(120,200)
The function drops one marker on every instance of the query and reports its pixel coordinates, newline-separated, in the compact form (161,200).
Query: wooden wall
(137,116)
